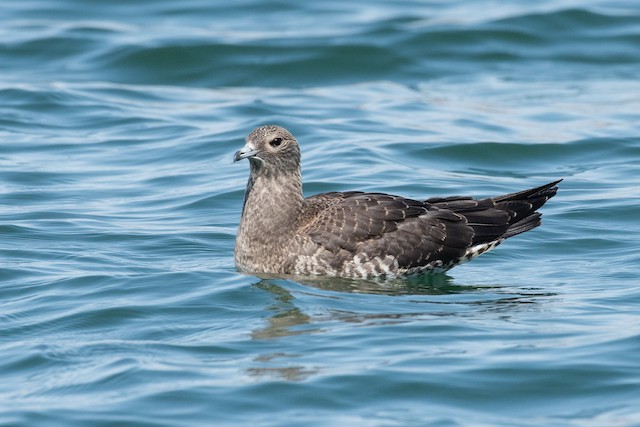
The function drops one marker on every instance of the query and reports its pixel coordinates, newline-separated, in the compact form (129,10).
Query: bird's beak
(245,152)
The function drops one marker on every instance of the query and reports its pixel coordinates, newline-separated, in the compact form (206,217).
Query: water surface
(119,202)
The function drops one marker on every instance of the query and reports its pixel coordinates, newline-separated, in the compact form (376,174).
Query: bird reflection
(285,319)
(426,284)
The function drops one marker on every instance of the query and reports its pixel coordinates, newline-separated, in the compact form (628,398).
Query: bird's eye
(275,142)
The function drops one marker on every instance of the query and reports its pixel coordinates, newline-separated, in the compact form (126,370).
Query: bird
(357,234)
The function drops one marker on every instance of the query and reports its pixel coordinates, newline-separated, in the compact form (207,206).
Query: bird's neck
(272,207)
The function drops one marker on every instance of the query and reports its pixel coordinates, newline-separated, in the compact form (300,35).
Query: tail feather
(529,223)
(523,206)
(500,217)
(545,192)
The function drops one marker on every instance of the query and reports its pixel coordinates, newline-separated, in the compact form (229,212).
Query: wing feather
(434,232)
(377,225)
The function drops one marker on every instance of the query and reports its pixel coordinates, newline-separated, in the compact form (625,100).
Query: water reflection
(428,284)
(286,320)
(289,372)
(286,316)
(296,313)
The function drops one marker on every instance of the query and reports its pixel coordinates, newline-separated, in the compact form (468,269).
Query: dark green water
(119,202)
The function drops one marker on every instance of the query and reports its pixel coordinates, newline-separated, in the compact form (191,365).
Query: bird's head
(271,149)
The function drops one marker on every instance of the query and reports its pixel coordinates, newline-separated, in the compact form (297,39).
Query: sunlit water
(119,202)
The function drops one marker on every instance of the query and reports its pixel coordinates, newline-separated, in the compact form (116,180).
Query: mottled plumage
(356,234)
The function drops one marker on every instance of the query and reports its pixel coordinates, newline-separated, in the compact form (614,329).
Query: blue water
(119,202)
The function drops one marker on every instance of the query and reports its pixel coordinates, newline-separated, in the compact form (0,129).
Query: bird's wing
(415,233)
(419,233)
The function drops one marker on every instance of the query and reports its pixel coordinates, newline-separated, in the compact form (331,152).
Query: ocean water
(119,203)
